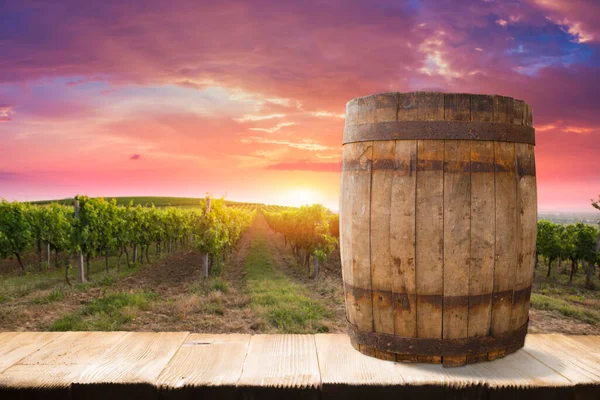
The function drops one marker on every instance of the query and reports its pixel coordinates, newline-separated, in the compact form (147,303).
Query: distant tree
(15,234)
(549,242)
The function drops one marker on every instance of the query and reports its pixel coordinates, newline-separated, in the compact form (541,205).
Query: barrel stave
(438,236)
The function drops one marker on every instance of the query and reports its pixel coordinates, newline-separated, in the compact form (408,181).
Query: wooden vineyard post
(438,225)
(48,255)
(80,264)
(316,267)
(205,263)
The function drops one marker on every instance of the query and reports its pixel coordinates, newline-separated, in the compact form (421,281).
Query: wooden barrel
(438,223)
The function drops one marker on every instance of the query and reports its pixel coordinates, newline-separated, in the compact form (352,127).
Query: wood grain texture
(457,242)
(340,364)
(483,231)
(360,187)
(14,346)
(346,196)
(384,153)
(408,107)
(429,247)
(565,356)
(431,106)
(139,357)
(506,237)
(457,107)
(59,362)
(482,108)
(295,366)
(281,361)
(206,360)
(526,231)
(402,237)
(386,107)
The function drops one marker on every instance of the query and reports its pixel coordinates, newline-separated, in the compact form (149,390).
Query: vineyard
(168,264)
(312,232)
(92,227)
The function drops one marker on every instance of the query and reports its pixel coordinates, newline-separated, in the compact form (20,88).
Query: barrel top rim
(436,92)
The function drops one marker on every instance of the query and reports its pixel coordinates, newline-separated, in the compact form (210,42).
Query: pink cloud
(6,113)
(304,165)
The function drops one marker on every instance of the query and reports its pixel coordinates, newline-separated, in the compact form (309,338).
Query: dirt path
(327,289)
(188,302)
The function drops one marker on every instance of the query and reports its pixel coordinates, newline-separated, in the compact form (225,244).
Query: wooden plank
(346,373)
(502,109)
(567,357)
(429,240)
(362,307)
(366,110)
(206,360)
(59,362)
(518,370)
(402,237)
(346,196)
(408,106)
(14,346)
(341,364)
(206,365)
(483,224)
(457,107)
(386,107)
(506,238)
(129,368)
(281,361)
(430,106)
(457,242)
(526,232)
(591,343)
(381,266)
(482,108)
(483,231)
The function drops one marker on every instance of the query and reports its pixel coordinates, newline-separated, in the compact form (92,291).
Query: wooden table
(111,365)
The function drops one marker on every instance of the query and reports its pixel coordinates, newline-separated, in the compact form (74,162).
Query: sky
(246,99)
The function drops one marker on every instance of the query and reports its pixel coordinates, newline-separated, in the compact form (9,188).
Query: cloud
(6,113)
(275,128)
(304,144)
(579,18)
(304,165)
(259,117)
(135,157)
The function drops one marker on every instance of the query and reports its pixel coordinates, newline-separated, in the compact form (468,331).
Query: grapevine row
(310,231)
(97,227)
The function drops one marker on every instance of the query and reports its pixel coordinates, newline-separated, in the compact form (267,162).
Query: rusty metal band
(403,300)
(409,166)
(439,347)
(439,130)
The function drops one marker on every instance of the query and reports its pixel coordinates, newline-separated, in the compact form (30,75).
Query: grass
(219,285)
(107,313)
(17,284)
(53,296)
(571,300)
(285,304)
(566,308)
